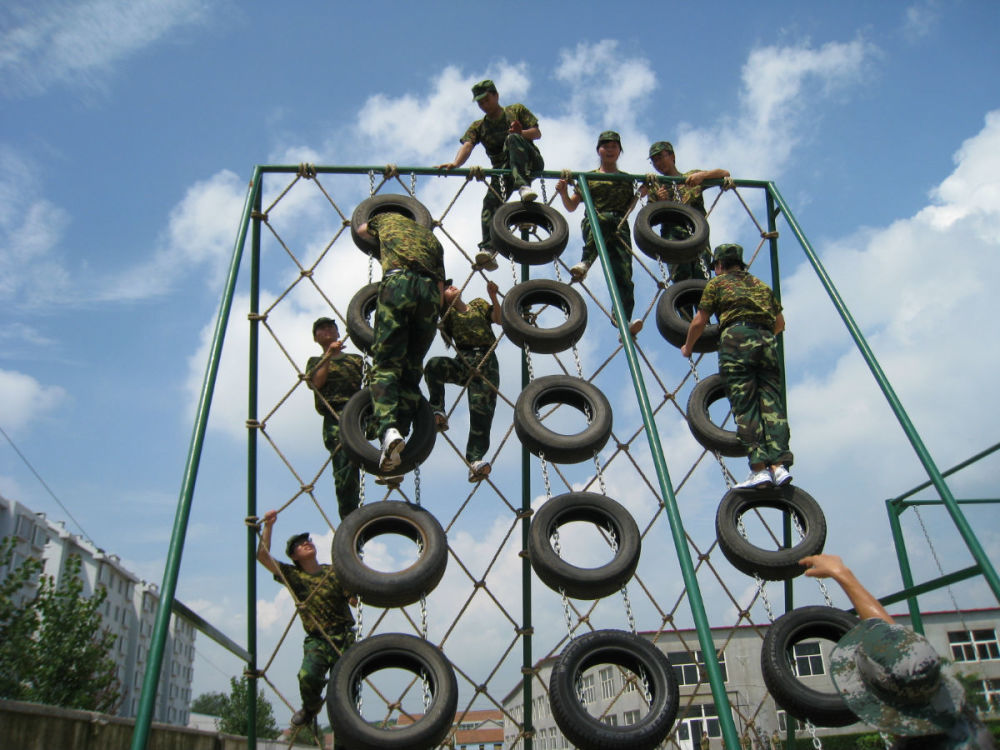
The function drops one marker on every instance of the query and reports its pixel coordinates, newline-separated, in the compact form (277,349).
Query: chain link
(413,184)
(541,182)
(371,183)
(937,561)
(426,689)
(812,733)
(625,600)
(416,485)
(761,585)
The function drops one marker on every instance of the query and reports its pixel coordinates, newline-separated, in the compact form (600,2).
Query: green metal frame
(776,207)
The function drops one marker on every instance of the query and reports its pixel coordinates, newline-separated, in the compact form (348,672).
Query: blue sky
(129,131)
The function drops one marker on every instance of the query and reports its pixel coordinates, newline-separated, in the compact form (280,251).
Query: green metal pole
(961,523)
(252,370)
(168,588)
(527,658)
(725,713)
(904,564)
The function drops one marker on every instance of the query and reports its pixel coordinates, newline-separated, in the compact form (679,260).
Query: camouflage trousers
(699,268)
(618,241)
(525,162)
(405,326)
(482,393)
(318,658)
(748,364)
(346,477)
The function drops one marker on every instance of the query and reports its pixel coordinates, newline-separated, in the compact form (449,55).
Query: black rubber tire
(509,244)
(400,587)
(360,314)
(706,432)
(387,203)
(824,709)
(671,251)
(562,389)
(544,292)
(391,651)
(672,325)
(625,650)
(583,583)
(419,443)
(774,564)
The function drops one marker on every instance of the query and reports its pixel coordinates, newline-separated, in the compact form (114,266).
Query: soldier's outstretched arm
(464,151)
(831,566)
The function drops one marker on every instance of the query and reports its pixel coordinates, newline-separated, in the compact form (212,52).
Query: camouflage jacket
(343,380)
(738,296)
(610,195)
(681,193)
(493,132)
(405,244)
(327,609)
(470,328)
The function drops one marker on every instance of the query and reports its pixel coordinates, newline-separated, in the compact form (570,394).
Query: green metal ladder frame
(776,206)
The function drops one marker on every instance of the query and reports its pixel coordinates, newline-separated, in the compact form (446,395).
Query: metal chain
(761,585)
(663,271)
(541,182)
(625,600)
(562,592)
(886,739)
(600,474)
(423,615)
(646,692)
(416,485)
(371,183)
(359,698)
(812,733)
(820,581)
(937,561)
(545,475)
(413,184)
(426,690)
(361,488)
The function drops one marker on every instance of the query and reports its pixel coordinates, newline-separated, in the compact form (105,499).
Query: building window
(40,537)
(586,689)
(991,692)
(608,682)
(631,717)
(25,528)
(689,667)
(783,723)
(975,645)
(807,659)
(611,720)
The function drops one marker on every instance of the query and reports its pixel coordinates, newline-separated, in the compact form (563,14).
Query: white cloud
(602,79)
(76,43)
(25,399)
(919,20)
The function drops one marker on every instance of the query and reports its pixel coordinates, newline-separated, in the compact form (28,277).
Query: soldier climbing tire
(392,588)
(674,311)
(822,708)
(543,292)
(353,428)
(660,248)
(771,565)
(707,433)
(393,203)
(505,232)
(391,651)
(603,512)
(569,391)
(360,311)
(633,653)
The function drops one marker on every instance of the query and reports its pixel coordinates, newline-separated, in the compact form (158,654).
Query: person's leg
(422,328)
(389,352)
(772,408)
(346,476)
(493,199)
(312,678)
(523,159)
(482,405)
(620,251)
(737,355)
(437,372)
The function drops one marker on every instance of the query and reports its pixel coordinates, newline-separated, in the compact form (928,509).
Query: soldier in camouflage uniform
(750,318)
(409,300)
(507,134)
(661,154)
(323,606)
(612,200)
(892,678)
(334,378)
(470,328)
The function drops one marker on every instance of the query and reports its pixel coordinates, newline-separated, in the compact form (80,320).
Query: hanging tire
(583,583)
(557,447)
(671,251)
(624,650)
(775,564)
(391,651)
(822,708)
(360,313)
(544,292)
(400,587)
(505,232)
(674,313)
(353,421)
(393,203)
(706,432)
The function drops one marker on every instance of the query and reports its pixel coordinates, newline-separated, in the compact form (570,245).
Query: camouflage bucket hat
(293,542)
(483,88)
(660,146)
(609,135)
(727,252)
(891,678)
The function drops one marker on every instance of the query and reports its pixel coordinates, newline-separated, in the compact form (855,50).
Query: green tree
(52,647)
(209,703)
(233,719)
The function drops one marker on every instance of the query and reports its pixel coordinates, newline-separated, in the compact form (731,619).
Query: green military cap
(483,88)
(294,541)
(320,322)
(609,135)
(660,146)
(728,252)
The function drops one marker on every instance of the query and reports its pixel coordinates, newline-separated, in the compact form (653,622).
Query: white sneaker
(392,447)
(485,261)
(527,194)
(441,421)
(780,476)
(756,479)
(479,470)
(579,271)
(635,326)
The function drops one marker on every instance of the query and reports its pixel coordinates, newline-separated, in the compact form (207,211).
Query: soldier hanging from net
(469,327)
(508,135)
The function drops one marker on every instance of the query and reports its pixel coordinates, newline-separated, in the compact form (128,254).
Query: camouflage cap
(294,541)
(891,678)
(320,322)
(660,146)
(483,88)
(728,252)
(609,135)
